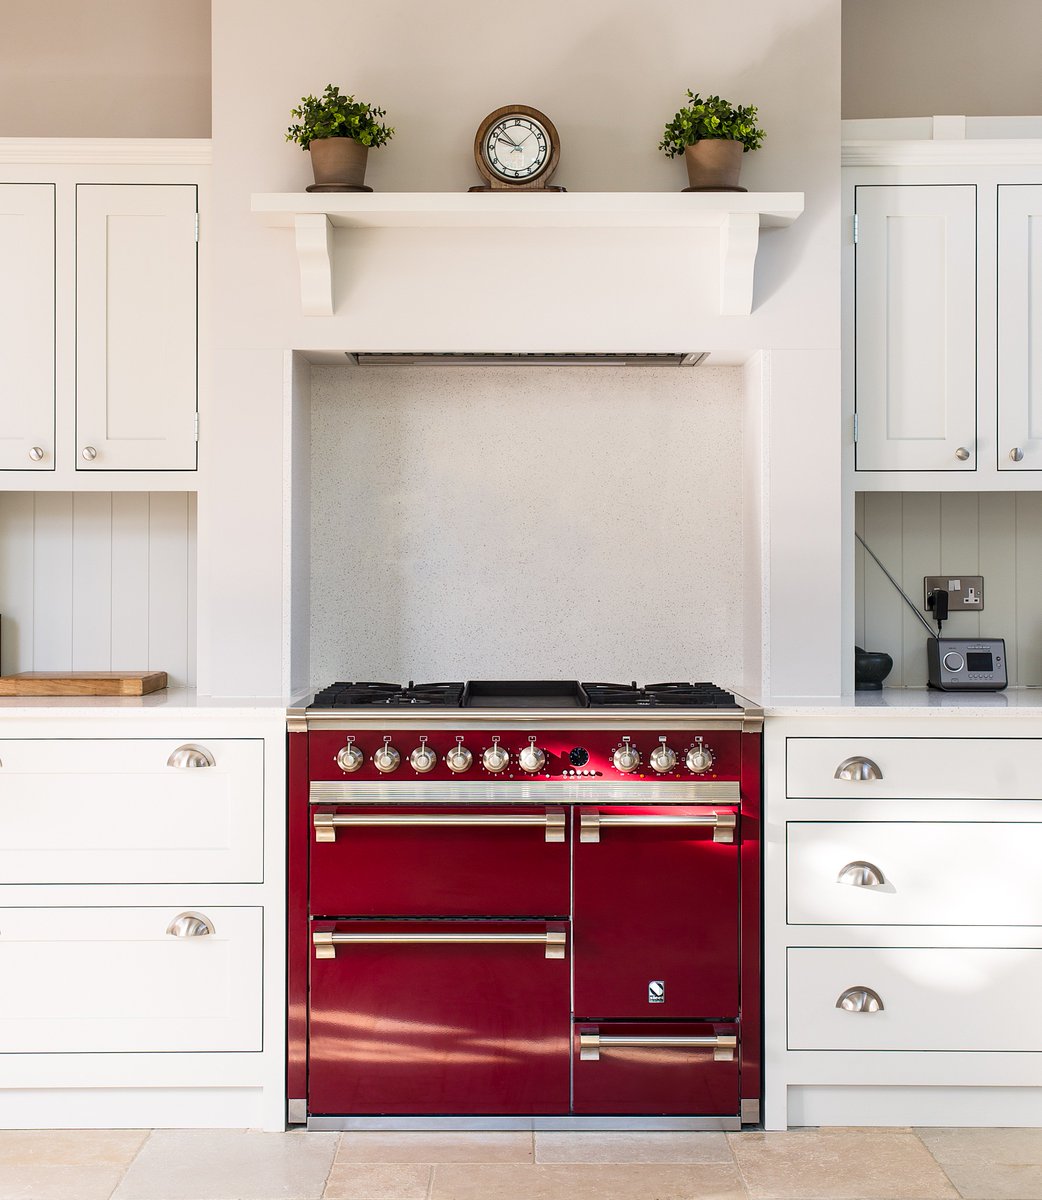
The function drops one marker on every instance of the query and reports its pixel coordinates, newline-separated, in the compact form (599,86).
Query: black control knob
(578,756)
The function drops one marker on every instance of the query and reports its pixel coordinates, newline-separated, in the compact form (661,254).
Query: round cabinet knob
(962,454)
(531,758)
(36,453)
(700,758)
(953,661)
(1016,454)
(350,758)
(626,758)
(89,453)
(459,758)
(423,758)
(662,758)
(495,757)
(386,759)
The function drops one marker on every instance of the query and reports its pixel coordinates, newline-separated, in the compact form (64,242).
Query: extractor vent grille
(527,360)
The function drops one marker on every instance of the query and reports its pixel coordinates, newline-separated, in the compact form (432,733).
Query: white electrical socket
(965,592)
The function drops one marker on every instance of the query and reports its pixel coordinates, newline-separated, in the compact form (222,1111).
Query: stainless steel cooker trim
(507,791)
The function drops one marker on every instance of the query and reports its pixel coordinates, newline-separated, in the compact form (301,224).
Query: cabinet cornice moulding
(944,153)
(155,152)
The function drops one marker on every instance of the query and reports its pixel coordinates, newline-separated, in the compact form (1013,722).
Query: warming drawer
(436,860)
(656,912)
(439,1017)
(656,1068)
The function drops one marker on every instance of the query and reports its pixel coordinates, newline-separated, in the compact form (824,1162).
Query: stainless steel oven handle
(552,820)
(591,822)
(591,1045)
(326,942)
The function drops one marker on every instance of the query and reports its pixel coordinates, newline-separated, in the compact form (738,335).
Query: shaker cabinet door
(915,327)
(136,318)
(27,326)
(1020,327)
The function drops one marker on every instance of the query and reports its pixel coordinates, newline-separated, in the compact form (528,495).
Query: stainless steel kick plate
(965,592)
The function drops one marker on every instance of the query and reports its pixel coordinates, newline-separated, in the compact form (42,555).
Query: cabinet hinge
(197,228)
(196,426)
(853,226)
(855,429)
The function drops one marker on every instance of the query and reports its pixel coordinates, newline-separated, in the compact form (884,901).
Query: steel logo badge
(657,991)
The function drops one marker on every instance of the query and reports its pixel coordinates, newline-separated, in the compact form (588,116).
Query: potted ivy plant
(712,134)
(339,131)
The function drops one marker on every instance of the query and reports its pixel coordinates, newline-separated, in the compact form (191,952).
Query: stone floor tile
(839,1164)
(44,1181)
(632,1148)
(989,1164)
(226,1164)
(588,1181)
(378,1181)
(381,1147)
(70,1147)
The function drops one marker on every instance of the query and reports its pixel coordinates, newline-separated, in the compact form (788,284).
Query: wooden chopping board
(82,683)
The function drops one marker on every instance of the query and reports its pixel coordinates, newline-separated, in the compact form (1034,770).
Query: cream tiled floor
(804,1164)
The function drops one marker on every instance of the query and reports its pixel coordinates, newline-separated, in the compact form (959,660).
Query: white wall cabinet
(27,326)
(1020,327)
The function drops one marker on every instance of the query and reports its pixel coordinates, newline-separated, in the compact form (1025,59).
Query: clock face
(516,148)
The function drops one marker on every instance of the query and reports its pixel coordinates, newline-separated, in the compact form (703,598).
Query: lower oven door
(438,1017)
(656,1068)
(656,913)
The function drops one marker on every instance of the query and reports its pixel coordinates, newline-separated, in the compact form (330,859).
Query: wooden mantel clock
(517,149)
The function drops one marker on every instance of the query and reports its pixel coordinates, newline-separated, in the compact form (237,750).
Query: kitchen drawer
(103,980)
(957,998)
(914,768)
(116,811)
(415,861)
(656,1068)
(933,872)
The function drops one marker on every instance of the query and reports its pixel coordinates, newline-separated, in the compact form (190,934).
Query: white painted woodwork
(100,979)
(994,534)
(136,326)
(935,872)
(113,811)
(98,581)
(27,326)
(734,218)
(915,386)
(1020,327)
(935,998)
(917,767)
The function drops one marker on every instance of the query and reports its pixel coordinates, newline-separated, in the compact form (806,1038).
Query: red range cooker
(524,905)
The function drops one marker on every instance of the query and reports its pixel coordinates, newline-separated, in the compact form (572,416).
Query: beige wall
(108,68)
(913,58)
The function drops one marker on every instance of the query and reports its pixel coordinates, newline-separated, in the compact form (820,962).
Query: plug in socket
(965,592)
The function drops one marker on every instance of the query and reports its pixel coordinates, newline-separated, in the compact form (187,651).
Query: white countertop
(170,702)
(1013,702)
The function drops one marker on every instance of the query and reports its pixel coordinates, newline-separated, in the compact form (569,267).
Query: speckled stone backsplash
(501,522)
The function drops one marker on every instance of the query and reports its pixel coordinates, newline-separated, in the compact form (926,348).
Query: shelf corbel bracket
(314,238)
(739,238)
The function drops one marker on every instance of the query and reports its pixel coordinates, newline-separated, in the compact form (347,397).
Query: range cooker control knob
(662,758)
(459,758)
(531,758)
(495,757)
(700,758)
(626,758)
(350,758)
(423,758)
(386,759)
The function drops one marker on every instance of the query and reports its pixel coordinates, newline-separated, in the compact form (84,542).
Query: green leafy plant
(338,116)
(711,118)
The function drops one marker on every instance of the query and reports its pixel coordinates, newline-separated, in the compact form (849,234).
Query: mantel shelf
(738,216)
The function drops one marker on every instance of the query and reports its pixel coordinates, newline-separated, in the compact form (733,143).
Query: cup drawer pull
(593,1045)
(592,821)
(858,770)
(326,942)
(190,924)
(861,874)
(190,755)
(860,1000)
(326,824)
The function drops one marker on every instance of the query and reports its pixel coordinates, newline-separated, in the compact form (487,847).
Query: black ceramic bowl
(871,667)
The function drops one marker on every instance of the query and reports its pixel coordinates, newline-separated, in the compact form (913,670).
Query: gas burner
(659,695)
(389,695)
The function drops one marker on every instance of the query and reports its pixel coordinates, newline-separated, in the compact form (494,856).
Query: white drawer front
(933,999)
(933,872)
(914,768)
(92,980)
(113,811)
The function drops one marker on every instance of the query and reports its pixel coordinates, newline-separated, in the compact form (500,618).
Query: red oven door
(435,860)
(439,1017)
(656,1068)
(656,913)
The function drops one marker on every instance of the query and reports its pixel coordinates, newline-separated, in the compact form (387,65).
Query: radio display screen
(979,662)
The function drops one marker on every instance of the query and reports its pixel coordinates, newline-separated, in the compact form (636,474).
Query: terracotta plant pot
(713,165)
(339,165)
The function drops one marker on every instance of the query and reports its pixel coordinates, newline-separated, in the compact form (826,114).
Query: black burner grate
(659,695)
(389,695)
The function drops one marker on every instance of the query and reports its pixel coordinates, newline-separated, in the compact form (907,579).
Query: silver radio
(967,664)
